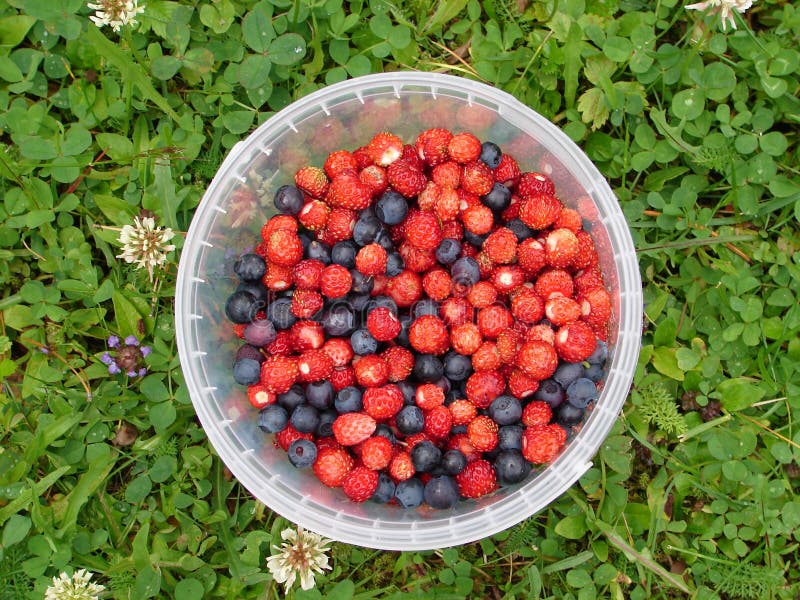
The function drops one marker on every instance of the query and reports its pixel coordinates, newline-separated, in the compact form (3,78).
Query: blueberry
(338,320)
(385,490)
(394,264)
(448,251)
(405,326)
(391,208)
(248,351)
(361,283)
(511,467)
(293,398)
(326,419)
(568,415)
(509,437)
(384,240)
(363,343)
(581,392)
(358,302)
(498,198)
(441,492)
(465,271)
(474,239)
(242,306)
(505,410)
(246,371)
(319,251)
(348,400)
(456,429)
(444,385)
(305,418)
(258,289)
(490,154)
(408,493)
(594,372)
(382,302)
(320,394)
(549,391)
(428,368)
(457,367)
(452,396)
(366,230)
(408,390)
(410,420)
(273,418)
(279,311)
(384,430)
(566,373)
(250,267)
(598,357)
(305,240)
(425,456)
(302,453)
(344,253)
(522,231)
(289,200)
(367,213)
(260,332)
(426,306)
(453,462)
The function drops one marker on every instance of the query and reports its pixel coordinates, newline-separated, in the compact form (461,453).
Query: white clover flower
(144,244)
(303,554)
(115,13)
(77,587)
(724,8)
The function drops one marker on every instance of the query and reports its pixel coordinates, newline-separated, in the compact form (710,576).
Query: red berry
(494,319)
(289,434)
(447,205)
(385,148)
(417,260)
(482,294)
(314,215)
(277,278)
(335,281)
(555,282)
(447,174)
(405,179)
(282,346)
(428,197)
(306,303)
(382,403)
(400,361)
(306,274)
(477,479)
(428,335)
(371,371)
(507,172)
(587,253)
(485,386)
(462,411)
(536,413)
(332,466)
(278,373)
(314,365)
(342,377)
(353,428)
(534,184)
(477,178)
(501,246)
(455,312)
(348,191)
(561,310)
(339,162)
(401,466)
(405,289)
(429,396)
(260,396)
(482,432)
(561,248)
(522,385)
(438,422)
(537,359)
(466,338)
(486,357)
(306,335)
(464,148)
(371,260)
(436,284)
(531,256)
(383,324)
(339,350)
(278,222)
(431,145)
(575,341)
(508,344)
(569,218)
(588,279)
(340,225)
(376,452)
(374,177)
(595,307)
(313,181)
(541,333)
(360,484)
(423,230)
(527,306)
(539,211)
(284,248)
(477,219)
(541,443)
(507,277)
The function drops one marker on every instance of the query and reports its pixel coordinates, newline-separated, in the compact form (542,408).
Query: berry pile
(421,323)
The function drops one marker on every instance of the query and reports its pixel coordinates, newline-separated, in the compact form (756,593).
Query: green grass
(695,492)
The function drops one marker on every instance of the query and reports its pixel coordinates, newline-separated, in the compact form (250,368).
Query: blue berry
(453,462)
(594,372)
(248,351)
(279,311)
(258,289)
(425,456)
(448,251)
(465,271)
(384,240)
(273,418)
(490,154)
(361,283)
(452,396)
(242,306)
(498,198)
(305,418)
(598,357)
(394,264)
(302,453)
(522,231)
(366,230)
(385,490)
(305,240)
(511,467)
(405,327)
(289,200)
(250,267)
(549,391)
(581,392)
(384,430)
(426,306)
(358,302)
(568,415)
(344,253)
(391,208)
(408,493)
(319,394)
(428,368)
(408,390)
(444,385)
(457,367)
(410,420)
(509,437)
(441,492)
(246,371)
(326,419)
(382,302)
(293,398)
(363,343)
(566,373)
(505,410)
(474,239)
(338,320)
(260,332)
(348,400)
(319,251)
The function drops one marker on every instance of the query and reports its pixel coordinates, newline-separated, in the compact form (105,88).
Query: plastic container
(238,202)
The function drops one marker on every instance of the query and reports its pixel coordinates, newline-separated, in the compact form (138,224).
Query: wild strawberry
(561,310)
(278,222)
(453,230)
(405,289)
(282,345)
(521,385)
(541,333)
(494,319)
(462,411)
(555,282)
(595,307)
(401,467)
(376,452)
(383,324)
(412,158)
(447,205)
(284,439)
(284,248)
(539,211)
(534,184)
(507,172)
(306,335)
(314,365)
(482,432)
(501,246)
(561,248)
(438,422)
(332,466)
(278,373)
(405,179)
(384,149)
(353,428)
(575,341)
(306,274)
(511,211)
(588,279)
(531,256)
(485,264)
(379,284)
(536,413)
(382,403)
(339,350)
(486,357)
(417,260)
(485,386)
(371,371)
(423,230)
(313,181)
(467,199)
(436,284)
(429,196)
(527,306)
(569,218)
(541,443)
(347,191)
(328,442)
(277,278)
(455,312)
(447,174)
(371,260)
(360,484)
(477,479)
(400,361)
(587,253)
(342,377)
(314,215)
(306,303)
(363,159)
(374,177)
(482,294)
(464,148)
(259,396)
(477,219)
(335,281)
(466,338)
(508,344)
(339,162)
(477,178)
(431,145)
(428,335)
(537,359)
(429,396)
(340,225)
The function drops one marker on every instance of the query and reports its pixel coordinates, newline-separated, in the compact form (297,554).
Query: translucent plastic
(227,223)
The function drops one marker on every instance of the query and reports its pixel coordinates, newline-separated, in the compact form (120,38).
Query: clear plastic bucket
(227,223)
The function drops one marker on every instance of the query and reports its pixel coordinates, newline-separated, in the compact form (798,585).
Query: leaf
(688,104)
(738,394)
(189,589)
(572,527)
(9,71)
(126,315)
(33,490)
(287,49)
(257,29)
(165,67)
(673,134)
(254,71)
(593,108)
(116,146)
(446,11)
(14,28)
(15,530)
(199,60)
(92,479)
(572,63)
(666,363)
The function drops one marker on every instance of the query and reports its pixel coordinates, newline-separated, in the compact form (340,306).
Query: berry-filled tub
(400,496)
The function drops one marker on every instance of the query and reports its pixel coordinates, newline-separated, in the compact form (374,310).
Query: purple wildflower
(113,341)
(131,340)
(113,369)
(127,356)
(145,350)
